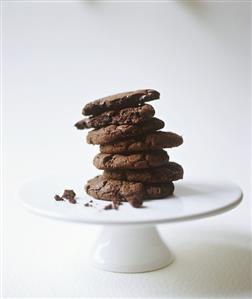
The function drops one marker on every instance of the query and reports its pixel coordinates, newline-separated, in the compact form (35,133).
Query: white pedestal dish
(130,242)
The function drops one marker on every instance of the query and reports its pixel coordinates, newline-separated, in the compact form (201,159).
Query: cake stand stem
(130,249)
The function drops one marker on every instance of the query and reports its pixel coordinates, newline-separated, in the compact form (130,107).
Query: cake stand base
(130,242)
(130,249)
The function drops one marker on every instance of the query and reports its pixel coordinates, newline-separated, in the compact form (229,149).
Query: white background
(58,56)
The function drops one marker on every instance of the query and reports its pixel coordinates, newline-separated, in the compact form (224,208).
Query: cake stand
(129,241)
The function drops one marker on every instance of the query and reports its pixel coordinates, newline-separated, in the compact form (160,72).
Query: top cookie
(120,100)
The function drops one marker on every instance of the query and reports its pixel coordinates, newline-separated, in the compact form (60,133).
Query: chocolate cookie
(134,193)
(114,133)
(156,140)
(114,190)
(171,172)
(127,116)
(154,191)
(120,101)
(131,161)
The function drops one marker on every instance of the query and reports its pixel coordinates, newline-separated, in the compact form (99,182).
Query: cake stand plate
(129,241)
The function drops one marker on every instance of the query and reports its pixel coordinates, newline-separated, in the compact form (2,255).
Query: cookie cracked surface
(131,161)
(134,193)
(114,190)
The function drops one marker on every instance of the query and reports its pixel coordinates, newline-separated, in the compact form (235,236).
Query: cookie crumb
(116,204)
(58,198)
(136,202)
(88,205)
(108,207)
(116,207)
(72,200)
(69,194)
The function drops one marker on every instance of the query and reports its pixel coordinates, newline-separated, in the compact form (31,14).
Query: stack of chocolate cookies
(132,156)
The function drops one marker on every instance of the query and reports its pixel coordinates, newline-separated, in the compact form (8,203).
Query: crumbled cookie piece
(108,207)
(58,198)
(136,202)
(68,194)
(72,200)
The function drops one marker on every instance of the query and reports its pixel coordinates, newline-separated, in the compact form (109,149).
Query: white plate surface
(191,200)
